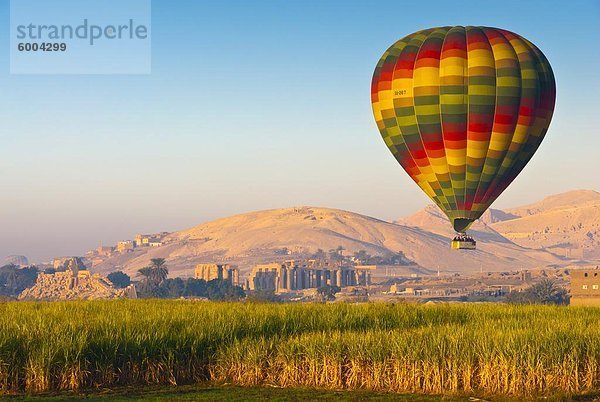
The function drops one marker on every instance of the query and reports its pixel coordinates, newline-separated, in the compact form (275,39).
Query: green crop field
(459,349)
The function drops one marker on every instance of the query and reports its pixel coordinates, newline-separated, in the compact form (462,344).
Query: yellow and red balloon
(463,109)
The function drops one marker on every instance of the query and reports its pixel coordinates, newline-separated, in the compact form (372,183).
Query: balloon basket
(463,242)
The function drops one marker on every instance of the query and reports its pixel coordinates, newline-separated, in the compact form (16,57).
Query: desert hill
(432,219)
(496,215)
(569,199)
(19,260)
(565,223)
(295,232)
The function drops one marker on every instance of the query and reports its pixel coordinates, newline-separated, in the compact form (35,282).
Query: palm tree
(336,254)
(548,292)
(146,272)
(159,271)
(157,262)
(544,292)
(156,272)
(11,278)
(319,255)
(362,256)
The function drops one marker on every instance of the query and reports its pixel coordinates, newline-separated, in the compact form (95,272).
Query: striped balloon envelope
(463,109)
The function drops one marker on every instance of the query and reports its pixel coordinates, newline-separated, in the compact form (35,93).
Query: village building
(150,240)
(125,246)
(585,287)
(395,288)
(140,239)
(105,251)
(223,272)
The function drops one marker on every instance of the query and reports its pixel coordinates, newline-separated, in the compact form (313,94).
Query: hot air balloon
(463,109)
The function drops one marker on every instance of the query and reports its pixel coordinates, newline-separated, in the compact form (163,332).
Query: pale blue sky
(255,105)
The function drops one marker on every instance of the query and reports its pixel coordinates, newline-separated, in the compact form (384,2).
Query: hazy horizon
(189,225)
(252,107)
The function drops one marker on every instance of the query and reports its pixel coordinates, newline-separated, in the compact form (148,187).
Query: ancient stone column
(261,280)
(258,281)
(236,276)
(289,279)
(278,278)
(282,278)
(338,277)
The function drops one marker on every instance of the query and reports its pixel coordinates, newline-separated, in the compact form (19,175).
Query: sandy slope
(261,236)
(575,198)
(567,220)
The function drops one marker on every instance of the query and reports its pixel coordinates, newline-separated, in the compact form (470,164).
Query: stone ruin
(75,283)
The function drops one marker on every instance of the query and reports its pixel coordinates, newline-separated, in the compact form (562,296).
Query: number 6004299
(44,47)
